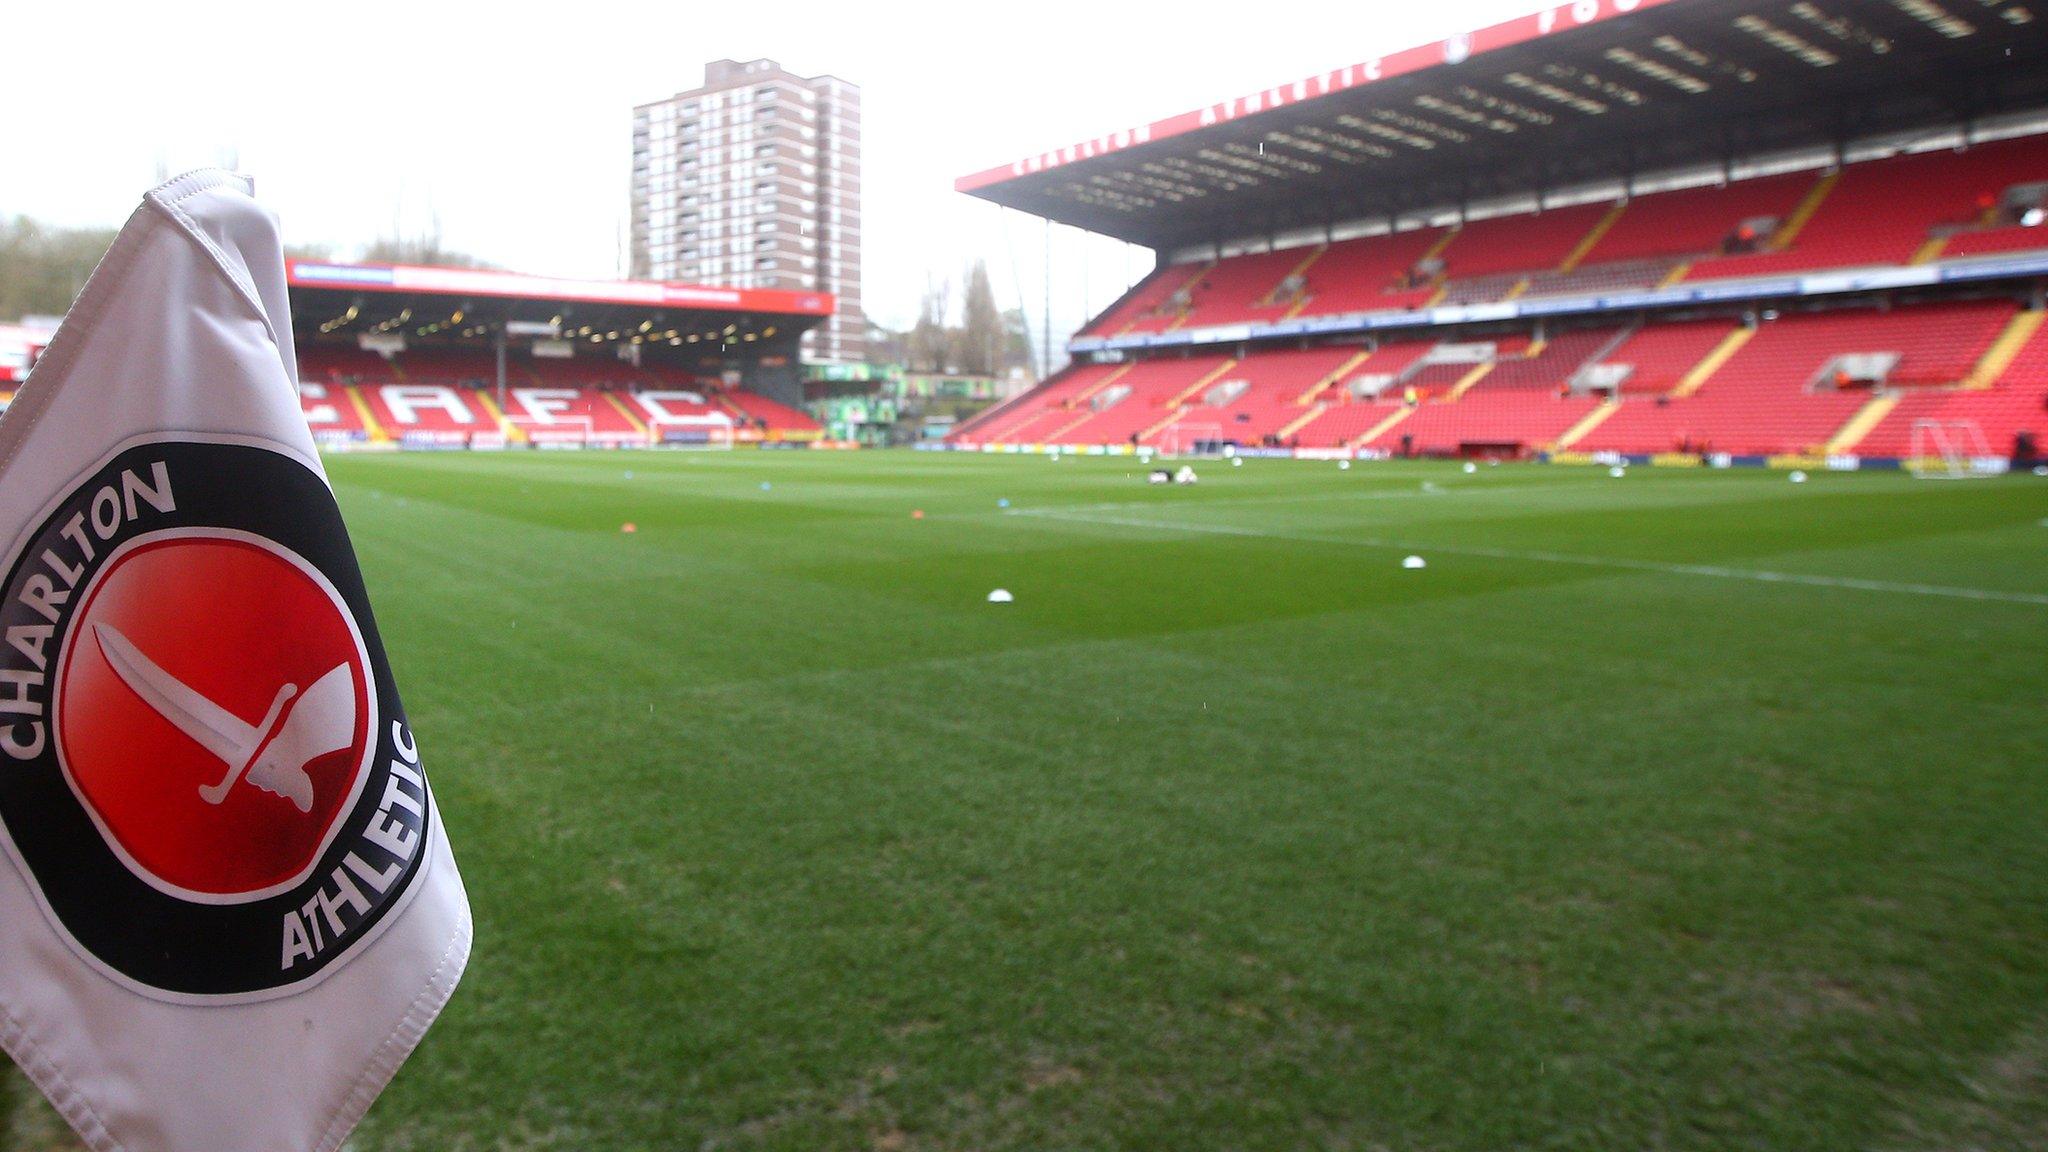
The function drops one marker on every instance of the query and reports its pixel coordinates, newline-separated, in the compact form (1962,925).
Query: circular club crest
(238,667)
(206,771)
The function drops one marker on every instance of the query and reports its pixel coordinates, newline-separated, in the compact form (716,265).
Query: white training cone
(1000,596)
(1414,562)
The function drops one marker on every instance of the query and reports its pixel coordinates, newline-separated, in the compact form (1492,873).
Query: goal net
(711,433)
(566,430)
(1183,438)
(1949,450)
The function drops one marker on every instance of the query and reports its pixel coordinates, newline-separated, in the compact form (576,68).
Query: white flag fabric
(228,911)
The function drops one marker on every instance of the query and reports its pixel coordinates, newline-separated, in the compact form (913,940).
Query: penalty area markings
(1619,563)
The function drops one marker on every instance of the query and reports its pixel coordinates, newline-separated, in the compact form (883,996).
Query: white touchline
(1762,576)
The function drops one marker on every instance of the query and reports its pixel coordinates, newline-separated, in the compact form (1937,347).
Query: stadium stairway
(1300,268)
(2014,401)
(1501,421)
(1690,223)
(1154,320)
(1661,355)
(1768,396)
(1519,243)
(637,424)
(1585,426)
(1184,395)
(1577,256)
(1803,215)
(1115,375)
(2019,332)
(1703,371)
(1393,420)
(1866,418)
(1295,425)
(512,432)
(1360,275)
(1332,380)
(1470,380)
(369,419)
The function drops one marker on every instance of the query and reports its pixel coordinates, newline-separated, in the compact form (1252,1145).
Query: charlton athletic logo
(203,764)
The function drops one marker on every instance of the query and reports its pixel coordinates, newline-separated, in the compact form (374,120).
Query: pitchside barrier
(1986,465)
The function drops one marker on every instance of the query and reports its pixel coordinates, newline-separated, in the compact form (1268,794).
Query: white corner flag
(227,906)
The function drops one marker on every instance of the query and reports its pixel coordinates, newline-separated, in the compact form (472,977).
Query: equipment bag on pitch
(227,907)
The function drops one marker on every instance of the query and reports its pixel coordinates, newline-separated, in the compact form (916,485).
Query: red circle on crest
(173,722)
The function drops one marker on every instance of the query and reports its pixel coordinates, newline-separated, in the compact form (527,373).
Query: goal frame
(568,430)
(1180,439)
(1948,450)
(718,434)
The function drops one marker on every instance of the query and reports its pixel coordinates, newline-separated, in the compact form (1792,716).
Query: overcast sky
(512,123)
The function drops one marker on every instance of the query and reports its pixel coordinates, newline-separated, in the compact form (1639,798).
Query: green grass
(1230,833)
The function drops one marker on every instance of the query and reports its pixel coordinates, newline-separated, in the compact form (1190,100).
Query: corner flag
(230,909)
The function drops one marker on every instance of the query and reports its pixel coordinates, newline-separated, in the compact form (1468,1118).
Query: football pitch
(1688,809)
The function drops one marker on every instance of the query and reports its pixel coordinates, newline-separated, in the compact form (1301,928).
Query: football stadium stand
(1643,228)
(445,399)
(453,358)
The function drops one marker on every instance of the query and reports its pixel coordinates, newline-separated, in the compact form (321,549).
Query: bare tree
(43,268)
(425,248)
(981,329)
(931,339)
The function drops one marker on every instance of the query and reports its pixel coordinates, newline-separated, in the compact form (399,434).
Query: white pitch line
(1756,575)
(1372,494)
